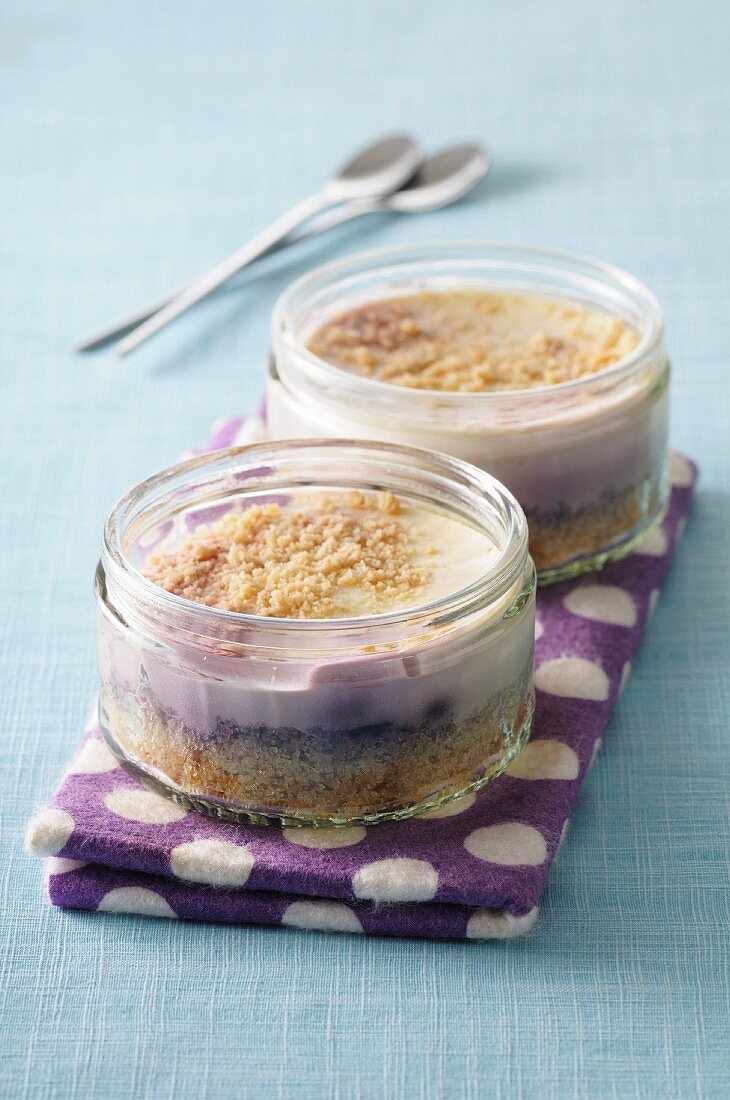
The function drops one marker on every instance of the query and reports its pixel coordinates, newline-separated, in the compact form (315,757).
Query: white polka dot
(322,916)
(603,603)
(653,601)
(135,899)
(145,807)
(654,545)
(596,750)
(564,833)
(449,809)
(396,880)
(625,674)
(326,838)
(48,832)
(489,924)
(510,844)
(93,759)
(545,760)
(573,678)
(253,430)
(681,528)
(55,865)
(218,862)
(92,722)
(680,471)
(539,630)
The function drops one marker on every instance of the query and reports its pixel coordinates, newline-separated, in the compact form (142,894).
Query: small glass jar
(586,458)
(314,722)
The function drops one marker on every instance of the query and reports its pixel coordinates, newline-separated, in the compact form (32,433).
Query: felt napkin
(473,869)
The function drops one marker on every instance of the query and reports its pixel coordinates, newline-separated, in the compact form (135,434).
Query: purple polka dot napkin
(473,869)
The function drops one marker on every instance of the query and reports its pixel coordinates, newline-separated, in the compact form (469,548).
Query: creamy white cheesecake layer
(446,677)
(601,447)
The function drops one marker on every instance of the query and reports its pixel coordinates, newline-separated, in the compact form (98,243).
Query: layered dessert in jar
(316,633)
(546,370)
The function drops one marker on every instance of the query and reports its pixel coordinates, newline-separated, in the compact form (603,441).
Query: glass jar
(586,458)
(322,721)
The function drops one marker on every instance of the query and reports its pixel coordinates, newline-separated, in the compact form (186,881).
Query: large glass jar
(323,721)
(585,458)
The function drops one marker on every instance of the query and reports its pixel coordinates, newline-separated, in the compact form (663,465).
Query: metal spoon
(372,173)
(442,179)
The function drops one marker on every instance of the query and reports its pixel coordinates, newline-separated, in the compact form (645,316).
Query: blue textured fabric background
(139,144)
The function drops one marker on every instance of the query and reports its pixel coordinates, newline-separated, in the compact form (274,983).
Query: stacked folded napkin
(474,869)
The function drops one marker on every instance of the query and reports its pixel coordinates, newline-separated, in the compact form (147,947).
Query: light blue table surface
(141,142)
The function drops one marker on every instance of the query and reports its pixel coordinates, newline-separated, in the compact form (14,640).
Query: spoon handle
(100,337)
(219,274)
(328,220)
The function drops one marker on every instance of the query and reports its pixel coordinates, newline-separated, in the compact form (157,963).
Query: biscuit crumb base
(291,771)
(301,561)
(472,341)
(566,534)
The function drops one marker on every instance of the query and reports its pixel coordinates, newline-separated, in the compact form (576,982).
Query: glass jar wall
(585,458)
(321,721)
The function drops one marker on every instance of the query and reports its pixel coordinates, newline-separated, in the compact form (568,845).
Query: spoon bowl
(375,171)
(442,179)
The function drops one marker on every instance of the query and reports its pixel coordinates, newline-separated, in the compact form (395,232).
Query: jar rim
(249,464)
(518,256)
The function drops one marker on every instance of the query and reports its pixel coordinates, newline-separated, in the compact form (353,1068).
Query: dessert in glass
(316,633)
(543,368)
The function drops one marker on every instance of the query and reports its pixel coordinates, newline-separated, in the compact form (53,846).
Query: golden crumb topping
(472,341)
(316,557)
